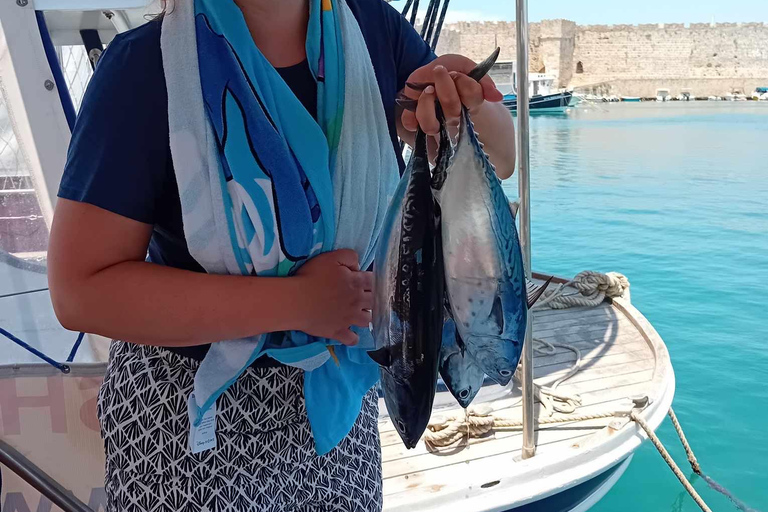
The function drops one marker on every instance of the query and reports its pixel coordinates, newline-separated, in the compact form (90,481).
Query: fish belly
(483,263)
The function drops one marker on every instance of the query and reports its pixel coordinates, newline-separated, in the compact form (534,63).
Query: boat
(568,436)
(632,99)
(663,95)
(556,102)
(760,94)
(542,99)
(735,96)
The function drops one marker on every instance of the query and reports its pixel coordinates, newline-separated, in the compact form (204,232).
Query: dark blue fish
(408,307)
(461,374)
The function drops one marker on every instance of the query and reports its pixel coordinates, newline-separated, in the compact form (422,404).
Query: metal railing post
(523,159)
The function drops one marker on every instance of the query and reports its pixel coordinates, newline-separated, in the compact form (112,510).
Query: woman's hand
(452,87)
(336,295)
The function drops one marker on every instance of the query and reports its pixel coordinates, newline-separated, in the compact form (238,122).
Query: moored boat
(556,102)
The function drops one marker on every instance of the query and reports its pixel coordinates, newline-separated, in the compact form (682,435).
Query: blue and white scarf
(264,186)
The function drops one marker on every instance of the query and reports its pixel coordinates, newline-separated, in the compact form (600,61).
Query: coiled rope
(476,421)
(592,287)
(550,398)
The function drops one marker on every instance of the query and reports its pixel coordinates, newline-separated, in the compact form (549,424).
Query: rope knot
(475,421)
(593,288)
(611,284)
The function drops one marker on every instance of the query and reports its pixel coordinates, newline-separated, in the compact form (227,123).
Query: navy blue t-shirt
(119,157)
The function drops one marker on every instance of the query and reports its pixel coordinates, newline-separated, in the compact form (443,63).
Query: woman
(132,257)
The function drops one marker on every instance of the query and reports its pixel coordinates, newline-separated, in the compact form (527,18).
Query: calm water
(675,196)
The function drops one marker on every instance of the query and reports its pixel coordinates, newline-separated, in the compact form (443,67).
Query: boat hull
(581,497)
(557,102)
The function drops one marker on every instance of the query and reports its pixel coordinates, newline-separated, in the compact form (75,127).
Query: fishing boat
(760,94)
(556,102)
(557,438)
(542,99)
(631,99)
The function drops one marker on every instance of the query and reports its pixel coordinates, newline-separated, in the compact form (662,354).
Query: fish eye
(400,426)
(464,393)
(505,373)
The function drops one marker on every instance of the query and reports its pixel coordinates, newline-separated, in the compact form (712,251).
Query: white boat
(663,95)
(543,97)
(50,376)
(760,94)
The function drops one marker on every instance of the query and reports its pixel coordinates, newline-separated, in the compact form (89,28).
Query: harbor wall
(634,60)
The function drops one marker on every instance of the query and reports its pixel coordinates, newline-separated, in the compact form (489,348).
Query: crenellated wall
(629,59)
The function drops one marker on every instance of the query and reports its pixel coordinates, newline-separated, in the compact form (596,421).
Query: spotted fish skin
(408,299)
(485,280)
(461,374)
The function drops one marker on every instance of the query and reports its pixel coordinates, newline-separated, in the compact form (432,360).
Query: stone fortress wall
(631,60)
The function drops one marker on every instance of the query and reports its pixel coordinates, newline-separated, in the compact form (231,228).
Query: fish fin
(407,104)
(497,314)
(418,86)
(460,343)
(536,295)
(381,356)
(482,69)
(332,351)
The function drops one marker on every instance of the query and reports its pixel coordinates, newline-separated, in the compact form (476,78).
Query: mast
(523,159)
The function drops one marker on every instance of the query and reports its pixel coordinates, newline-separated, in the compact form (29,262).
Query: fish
(484,274)
(461,374)
(408,299)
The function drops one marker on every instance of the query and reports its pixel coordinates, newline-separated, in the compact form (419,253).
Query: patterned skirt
(264,459)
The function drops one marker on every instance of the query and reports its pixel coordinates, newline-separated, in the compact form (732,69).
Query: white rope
(670,462)
(477,421)
(551,399)
(592,288)
(697,468)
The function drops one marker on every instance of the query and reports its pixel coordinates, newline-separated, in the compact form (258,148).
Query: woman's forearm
(156,305)
(493,122)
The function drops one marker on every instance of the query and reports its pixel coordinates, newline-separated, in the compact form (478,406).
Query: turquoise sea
(674,196)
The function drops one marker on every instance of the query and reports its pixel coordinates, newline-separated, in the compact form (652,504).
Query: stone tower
(556,45)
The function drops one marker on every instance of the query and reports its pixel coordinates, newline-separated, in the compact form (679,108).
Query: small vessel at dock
(556,102)
(760,94)
(631,99)
(542,98)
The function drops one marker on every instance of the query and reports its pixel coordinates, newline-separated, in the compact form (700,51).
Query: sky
(609,12)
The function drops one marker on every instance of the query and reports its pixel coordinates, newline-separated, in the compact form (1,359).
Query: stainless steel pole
(40,480)
(523,159)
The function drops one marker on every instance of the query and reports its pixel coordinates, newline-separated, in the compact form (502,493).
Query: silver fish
(408,299)
(485,279)
(461,374)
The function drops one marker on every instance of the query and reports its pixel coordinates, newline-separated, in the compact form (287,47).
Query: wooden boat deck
(618,361)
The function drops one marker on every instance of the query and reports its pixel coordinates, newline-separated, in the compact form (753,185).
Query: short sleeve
(409,49)
(118,155)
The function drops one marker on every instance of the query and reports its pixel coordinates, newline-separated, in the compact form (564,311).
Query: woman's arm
(452,87)
(101,284)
